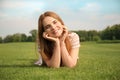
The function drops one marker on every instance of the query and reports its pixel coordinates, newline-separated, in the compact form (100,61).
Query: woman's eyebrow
(47,25)
(54,20)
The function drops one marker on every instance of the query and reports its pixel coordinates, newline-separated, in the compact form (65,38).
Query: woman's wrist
(57,42)
(62,43)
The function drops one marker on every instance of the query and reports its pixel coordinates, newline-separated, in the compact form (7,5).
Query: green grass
(96,62)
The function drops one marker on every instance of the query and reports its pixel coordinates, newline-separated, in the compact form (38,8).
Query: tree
(17,37)
(106,34)
(34,34)
(23,38)
(96,38)
(8,38)
(0,39)
(29,39)
(83,35)
(92,34)
(116,31)
(111,33)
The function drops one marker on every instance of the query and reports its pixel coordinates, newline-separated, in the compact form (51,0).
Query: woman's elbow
(54,66)
(72,65)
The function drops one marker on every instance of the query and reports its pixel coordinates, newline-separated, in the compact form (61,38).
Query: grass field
(96,62)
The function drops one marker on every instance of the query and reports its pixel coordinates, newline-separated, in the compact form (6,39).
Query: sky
(21,16)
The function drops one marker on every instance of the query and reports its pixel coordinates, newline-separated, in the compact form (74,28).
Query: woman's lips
(55,31)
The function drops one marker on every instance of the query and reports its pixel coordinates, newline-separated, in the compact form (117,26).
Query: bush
(109,41)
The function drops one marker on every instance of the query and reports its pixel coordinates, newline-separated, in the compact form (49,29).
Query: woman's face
(52,26)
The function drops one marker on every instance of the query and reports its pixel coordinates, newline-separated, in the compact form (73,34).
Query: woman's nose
(53,27)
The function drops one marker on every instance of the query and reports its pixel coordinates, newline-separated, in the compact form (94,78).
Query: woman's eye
(54,22)
(47,27)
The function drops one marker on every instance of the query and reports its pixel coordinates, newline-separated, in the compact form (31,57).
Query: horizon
(69,30)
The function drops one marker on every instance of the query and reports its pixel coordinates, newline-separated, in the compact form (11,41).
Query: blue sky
(21,16)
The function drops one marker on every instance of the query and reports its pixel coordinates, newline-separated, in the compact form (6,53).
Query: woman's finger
(44,34)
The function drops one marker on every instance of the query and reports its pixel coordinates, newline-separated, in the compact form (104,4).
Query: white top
(74,40)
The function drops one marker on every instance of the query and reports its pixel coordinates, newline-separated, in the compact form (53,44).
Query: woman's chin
(56,36)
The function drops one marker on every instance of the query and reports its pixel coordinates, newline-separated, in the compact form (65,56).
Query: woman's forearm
(66,57)
(56,57)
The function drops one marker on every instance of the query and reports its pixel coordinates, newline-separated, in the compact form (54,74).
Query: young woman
(57,46)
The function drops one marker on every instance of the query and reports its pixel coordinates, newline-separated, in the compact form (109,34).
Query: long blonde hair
(47,46)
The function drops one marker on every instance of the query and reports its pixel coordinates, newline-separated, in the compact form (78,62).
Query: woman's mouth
(55,31)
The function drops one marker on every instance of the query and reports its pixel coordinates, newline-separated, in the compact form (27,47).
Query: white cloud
(85,21)
(111,19)
(100,22)
(17,25)
(21,8)
(22,4)
(91,7)
(2,15)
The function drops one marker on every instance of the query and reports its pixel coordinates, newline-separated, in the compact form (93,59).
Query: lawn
(97,61)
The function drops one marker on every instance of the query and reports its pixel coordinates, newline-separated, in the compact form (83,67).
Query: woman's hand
(64,34)
(46,36)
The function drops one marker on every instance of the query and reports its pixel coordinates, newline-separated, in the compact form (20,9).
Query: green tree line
(109,33)
(20,37)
